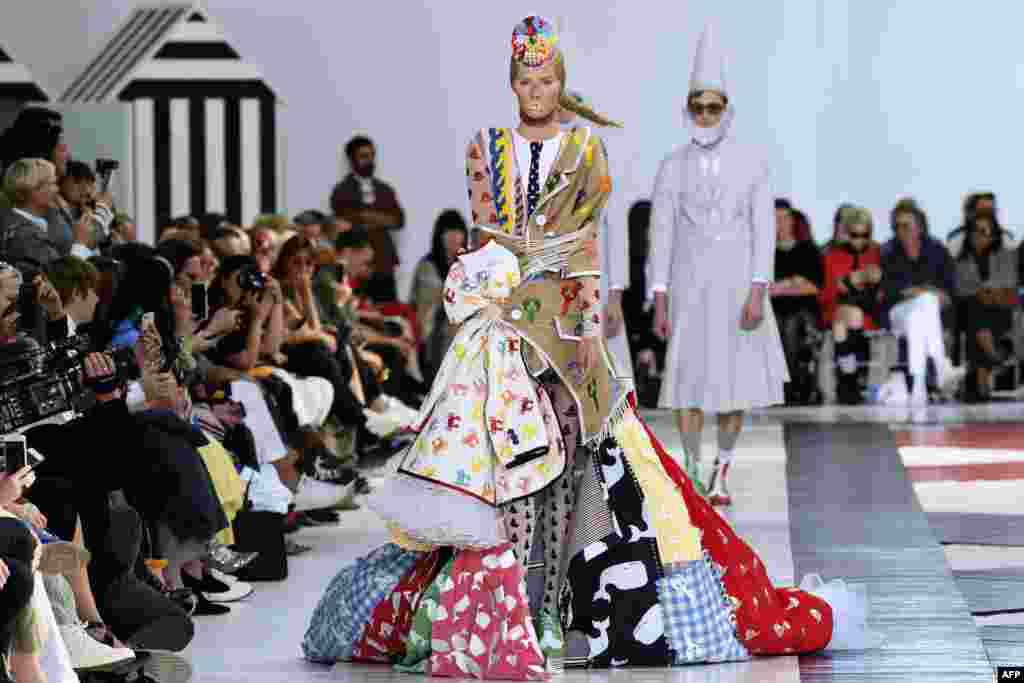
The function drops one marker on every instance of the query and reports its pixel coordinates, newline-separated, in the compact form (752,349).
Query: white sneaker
(87,653)
(319,495)
(408,416)
(382,425)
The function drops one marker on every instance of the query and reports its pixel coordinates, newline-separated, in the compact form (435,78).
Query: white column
(181,187)
(216,198)
(143,170)
(251,159)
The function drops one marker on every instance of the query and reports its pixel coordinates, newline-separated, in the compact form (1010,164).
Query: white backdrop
(857,101)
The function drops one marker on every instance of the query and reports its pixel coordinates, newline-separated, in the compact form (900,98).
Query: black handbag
(261,532)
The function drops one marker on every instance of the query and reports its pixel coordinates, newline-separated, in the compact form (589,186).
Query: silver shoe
(224,559)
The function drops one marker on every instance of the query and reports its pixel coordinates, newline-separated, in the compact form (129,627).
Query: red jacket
(840,262)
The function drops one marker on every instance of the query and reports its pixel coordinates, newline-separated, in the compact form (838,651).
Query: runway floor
(921,505)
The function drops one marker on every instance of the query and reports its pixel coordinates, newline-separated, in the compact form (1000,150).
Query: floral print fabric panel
(483,627)
(388,631)
(486,427)
(417,646)
(698,620)
(345,609)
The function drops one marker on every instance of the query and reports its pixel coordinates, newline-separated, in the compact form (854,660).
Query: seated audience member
(310,225)
(646,348)
(798,279)
(976,204)
(122,231)
(987,284)
(388,330)
(918,283)
(31,185)
(449,240)
(332,227)
(78,205)
(849,299)
(839,236)
(258,341)
(230,240)
(263,248)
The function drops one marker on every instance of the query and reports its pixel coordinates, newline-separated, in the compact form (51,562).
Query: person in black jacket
(798,279)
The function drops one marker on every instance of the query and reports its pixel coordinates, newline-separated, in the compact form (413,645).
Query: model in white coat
(712,258)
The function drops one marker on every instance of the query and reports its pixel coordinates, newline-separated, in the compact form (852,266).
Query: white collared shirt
(548,157)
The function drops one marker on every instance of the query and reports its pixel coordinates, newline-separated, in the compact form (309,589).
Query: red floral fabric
(484,629)
(384,638)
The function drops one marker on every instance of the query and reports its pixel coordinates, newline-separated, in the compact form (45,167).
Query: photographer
(89,213)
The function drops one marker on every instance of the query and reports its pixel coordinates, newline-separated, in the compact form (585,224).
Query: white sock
(724,456)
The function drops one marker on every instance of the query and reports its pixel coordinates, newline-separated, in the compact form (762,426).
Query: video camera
(40,382)
(37,383)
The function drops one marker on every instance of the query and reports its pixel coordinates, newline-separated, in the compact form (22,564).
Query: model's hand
(753,309)
(587,353)
(662,325)
(613,318)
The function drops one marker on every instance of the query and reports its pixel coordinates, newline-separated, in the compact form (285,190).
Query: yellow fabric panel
(678,540)
(399,538)
(229,486)
(261,372)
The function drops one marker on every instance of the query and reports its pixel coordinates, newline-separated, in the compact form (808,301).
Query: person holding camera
(87,211)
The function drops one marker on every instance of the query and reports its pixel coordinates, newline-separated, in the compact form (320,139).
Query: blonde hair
(273,222)
(26,176)
(565,100)
(856,215)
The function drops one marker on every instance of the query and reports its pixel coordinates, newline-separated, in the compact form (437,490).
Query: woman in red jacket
(849,298)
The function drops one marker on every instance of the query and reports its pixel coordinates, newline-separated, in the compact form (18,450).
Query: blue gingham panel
(345,609)
(697,621)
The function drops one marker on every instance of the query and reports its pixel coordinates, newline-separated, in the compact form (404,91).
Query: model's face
(538,90)
(707,109)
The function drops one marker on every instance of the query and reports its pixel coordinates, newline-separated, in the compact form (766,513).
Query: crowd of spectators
(269,369)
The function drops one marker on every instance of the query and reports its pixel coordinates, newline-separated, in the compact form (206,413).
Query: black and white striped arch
(205,132)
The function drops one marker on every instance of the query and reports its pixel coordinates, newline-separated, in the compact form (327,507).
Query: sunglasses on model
(713,109)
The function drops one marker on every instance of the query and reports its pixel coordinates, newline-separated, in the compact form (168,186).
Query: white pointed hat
(709,63)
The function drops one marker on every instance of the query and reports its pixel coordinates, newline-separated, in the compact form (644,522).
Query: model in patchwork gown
(531,465)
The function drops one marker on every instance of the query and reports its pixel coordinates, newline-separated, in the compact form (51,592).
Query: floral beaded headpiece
(534,41)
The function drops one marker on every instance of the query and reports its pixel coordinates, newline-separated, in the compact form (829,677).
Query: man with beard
(362,200)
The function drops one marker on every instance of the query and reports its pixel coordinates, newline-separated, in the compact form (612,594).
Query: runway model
(713,225)
(529,453)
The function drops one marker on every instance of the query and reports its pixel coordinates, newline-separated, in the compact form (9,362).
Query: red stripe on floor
(1001,436)
(989,471)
